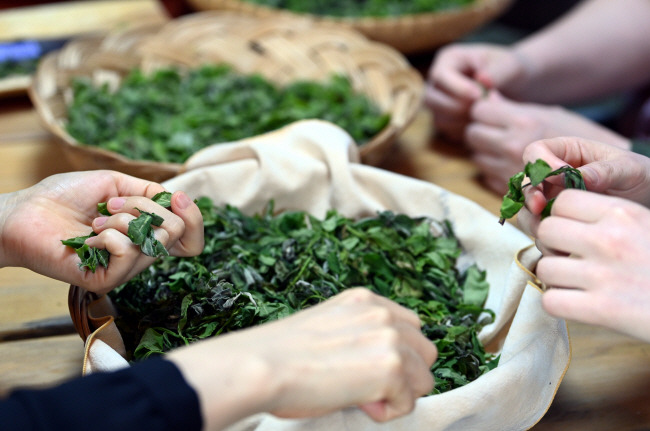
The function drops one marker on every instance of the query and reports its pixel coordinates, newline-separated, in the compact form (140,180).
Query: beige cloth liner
(312,165)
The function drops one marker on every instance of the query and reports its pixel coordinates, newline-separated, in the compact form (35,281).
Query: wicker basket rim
(477,6)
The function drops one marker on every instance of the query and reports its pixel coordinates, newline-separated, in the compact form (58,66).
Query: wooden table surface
(606,388)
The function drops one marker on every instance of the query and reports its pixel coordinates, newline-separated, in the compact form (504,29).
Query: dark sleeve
(151,395)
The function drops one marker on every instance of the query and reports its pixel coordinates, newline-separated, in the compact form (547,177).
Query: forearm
(598,48)
(230,380)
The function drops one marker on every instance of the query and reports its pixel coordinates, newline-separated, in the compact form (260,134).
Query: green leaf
(139,228)
(537,172)
(164,199)
(475,287)
(102,208)
(77,242)
(169,114)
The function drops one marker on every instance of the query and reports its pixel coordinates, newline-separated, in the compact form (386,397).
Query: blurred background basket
(282,50)
(408,34)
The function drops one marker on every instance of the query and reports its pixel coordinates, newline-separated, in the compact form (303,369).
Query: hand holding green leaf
(140,232)
(537,172)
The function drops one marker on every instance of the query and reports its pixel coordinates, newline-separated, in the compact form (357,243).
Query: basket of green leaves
(278,244)
(143,101)
(408,26)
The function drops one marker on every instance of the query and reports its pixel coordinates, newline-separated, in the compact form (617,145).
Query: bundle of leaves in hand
(255,269)
(168,116)
(140,232)
(365,8)
(536,172)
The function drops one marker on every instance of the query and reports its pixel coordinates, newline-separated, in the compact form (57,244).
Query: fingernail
(99,221)
(183,201)
(116,203)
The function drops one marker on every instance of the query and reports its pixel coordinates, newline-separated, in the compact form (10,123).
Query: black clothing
(151,395)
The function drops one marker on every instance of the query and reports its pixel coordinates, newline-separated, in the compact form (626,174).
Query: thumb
(611,176)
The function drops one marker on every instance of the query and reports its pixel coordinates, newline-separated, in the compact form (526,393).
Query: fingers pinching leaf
(536,172)
(140,232)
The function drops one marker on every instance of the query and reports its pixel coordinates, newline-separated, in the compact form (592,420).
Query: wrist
(230,380)
(519,87)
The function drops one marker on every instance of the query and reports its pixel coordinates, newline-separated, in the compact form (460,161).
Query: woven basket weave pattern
(282,50)
(408,34)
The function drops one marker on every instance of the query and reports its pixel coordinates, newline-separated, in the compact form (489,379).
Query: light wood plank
(72,18)
(39,362)
(29,297)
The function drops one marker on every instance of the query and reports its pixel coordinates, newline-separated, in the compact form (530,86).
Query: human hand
(459,76)
(606,169)
(356,349)
(500,129)
(597,267)
(35,220)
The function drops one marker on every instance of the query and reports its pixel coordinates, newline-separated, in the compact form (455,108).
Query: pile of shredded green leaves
(167,116)
(17,67)
(364,8)
(256,269)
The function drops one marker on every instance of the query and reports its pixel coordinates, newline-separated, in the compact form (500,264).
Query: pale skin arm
(500,129)
(356,350)
(35,220)
(598,48)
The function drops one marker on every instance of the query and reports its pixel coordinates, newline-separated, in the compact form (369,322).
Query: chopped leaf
(168,115)
(255,269)
(365,8)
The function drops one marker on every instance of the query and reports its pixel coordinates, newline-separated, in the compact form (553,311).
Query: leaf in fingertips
(140,232)
(536,172)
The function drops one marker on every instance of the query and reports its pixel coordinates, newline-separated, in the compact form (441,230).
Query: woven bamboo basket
(282,50)
(409,33)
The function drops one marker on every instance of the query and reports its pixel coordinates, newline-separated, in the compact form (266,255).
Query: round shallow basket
(104,60)
(320,172)
(282,50)
(408,34)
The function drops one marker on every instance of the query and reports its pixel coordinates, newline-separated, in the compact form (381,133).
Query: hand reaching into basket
(356,349)
(35,220)
(596,243)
